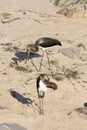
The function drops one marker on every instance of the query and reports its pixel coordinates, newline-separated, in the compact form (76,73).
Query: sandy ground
(22,23)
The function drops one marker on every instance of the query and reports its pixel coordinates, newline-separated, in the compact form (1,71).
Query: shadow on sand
(20,56)
(20,98)
(23,56)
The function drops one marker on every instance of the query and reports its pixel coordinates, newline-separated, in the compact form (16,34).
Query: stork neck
(50,84)
(36,44)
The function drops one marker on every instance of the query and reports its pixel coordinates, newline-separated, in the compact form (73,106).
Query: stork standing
(44,43)
(43,83)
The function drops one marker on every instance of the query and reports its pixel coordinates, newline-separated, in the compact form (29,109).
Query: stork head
(44,77)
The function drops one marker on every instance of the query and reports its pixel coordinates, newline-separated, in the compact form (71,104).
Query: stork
(44,43)
(43,83)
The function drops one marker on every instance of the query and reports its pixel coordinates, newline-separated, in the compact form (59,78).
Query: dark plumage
(44,78)
(43,83)
(47,42)
(43,43)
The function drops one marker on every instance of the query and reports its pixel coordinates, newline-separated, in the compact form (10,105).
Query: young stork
(43,83)
(44,43)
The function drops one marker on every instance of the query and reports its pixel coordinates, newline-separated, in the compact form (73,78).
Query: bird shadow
(27,101)
(20,98)
(20,56)
(23,56)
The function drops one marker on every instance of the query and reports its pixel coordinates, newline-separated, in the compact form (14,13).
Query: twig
(73,85)
(9,21)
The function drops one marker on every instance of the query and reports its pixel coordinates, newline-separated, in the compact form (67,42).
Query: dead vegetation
(68,3)
(73,12)
(9,47)
(66,73)
(81,45)
(57,76)
(54,62)
(8,18)
(21,68)
(71,73)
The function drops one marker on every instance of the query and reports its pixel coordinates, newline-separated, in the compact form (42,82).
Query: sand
(23,22)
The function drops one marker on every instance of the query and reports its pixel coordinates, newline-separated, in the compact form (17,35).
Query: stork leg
(41,105)
(42,110)
(41,60)
(27,55)
(48,59)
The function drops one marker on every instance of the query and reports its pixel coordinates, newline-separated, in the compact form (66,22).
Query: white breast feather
(43,48)
(42,87)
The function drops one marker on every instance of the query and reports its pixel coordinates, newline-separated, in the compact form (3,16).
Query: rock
(69,52)
(13,126)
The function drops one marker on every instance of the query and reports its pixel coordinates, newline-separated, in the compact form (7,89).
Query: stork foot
(41,112)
